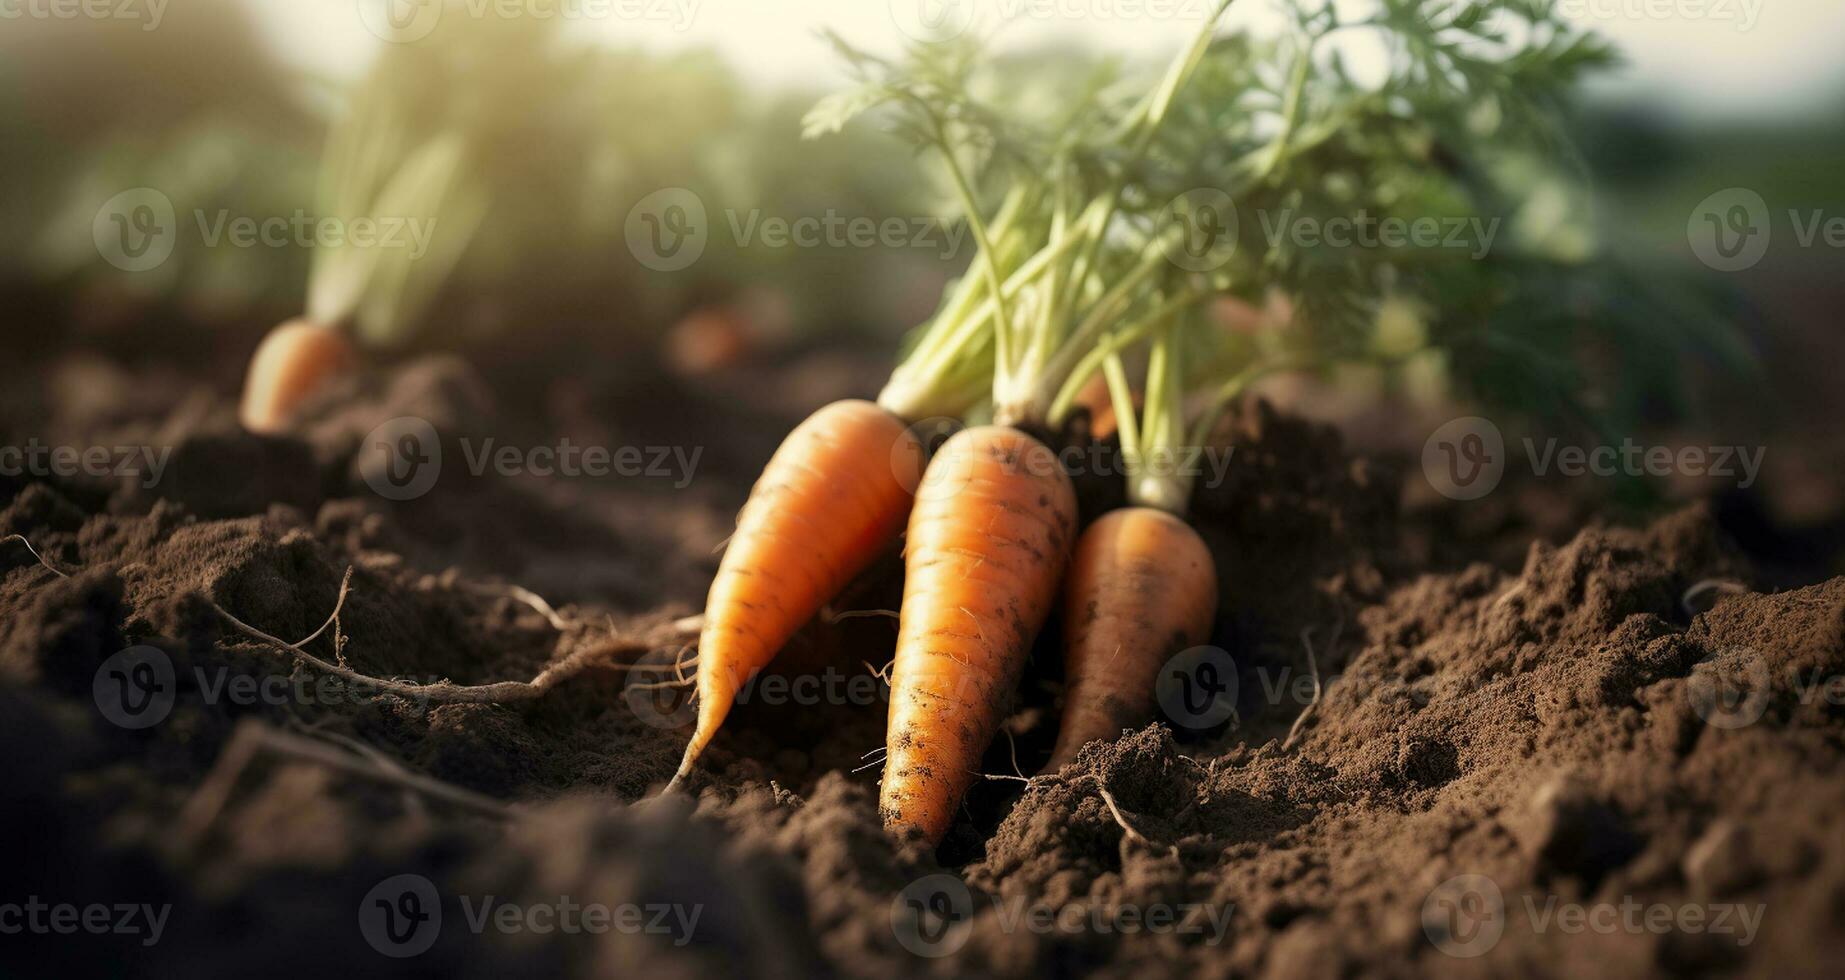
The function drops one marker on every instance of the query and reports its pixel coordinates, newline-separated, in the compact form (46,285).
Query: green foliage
(1458,115)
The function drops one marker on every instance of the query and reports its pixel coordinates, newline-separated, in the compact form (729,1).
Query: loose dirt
(1495,743)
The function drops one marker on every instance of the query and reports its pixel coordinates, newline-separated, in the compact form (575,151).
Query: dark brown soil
(1570,728)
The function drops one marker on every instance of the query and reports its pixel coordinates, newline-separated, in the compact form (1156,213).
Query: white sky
(1705,56)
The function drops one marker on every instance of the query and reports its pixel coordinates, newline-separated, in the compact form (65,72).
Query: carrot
(833,497)
(987,542)
(293,363)
(1142,587)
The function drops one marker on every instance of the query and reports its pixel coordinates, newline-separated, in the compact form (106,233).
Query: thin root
(53,569)
(443,692)
(1114,810)
(660,685)
(1729,586)
(377,758)
(1108,799)
(1313,664)
(528,598)
(253,738)
(1012,748)
(829,617)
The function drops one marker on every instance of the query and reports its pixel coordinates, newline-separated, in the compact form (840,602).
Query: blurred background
(581,110)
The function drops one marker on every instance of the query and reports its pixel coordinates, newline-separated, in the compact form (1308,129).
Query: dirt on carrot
(1558,725)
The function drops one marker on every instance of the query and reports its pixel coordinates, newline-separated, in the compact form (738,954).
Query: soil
(1582,720)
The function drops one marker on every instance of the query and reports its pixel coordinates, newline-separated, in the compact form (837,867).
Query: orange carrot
(297,360)
(831,499)
(987,542)
(1142,587)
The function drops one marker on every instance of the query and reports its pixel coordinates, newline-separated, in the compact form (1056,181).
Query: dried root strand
(1114,810)
(53,569)
(254,738)
(525,597)
(1313,664)
(829,616)
(1727,586)
(444,692)
(1108,799)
